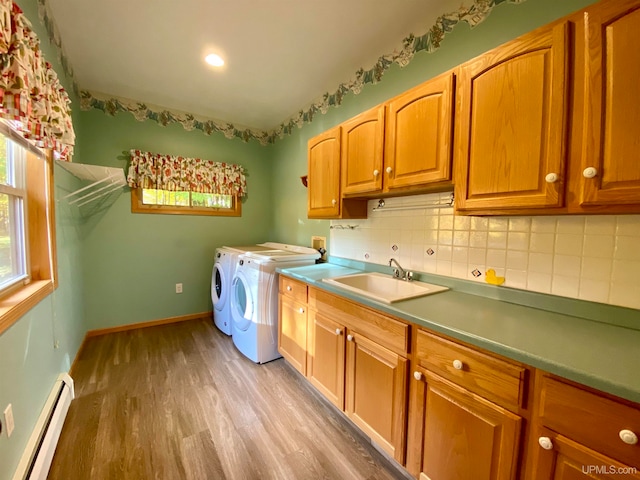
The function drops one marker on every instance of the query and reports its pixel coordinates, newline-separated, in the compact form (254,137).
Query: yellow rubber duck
(492,278)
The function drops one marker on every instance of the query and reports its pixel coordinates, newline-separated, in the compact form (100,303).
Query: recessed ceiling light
(214,60)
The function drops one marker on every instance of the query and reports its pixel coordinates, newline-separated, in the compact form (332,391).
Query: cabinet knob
(301,310)
(350,337)
(417,375)
(628,437)
(334,201)
(389,170)
(457,364)
(551,178)
(338,331)
(590,172)
(376,173)
(545,442)
(288,288)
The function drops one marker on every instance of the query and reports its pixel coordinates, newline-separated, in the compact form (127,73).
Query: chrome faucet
(400,272)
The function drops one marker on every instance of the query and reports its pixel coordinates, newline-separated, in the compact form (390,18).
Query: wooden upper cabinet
(419,133)
(611,147)
(324,175)
(362,149)
(511,124)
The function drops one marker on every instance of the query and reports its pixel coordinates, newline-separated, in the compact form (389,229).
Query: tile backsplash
(590,257)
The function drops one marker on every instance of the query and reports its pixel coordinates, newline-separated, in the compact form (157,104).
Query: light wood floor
(179,402)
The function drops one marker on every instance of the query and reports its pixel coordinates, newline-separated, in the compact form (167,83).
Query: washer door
(242,304)
(219,286)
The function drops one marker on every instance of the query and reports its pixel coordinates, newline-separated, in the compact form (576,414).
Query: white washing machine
(224,267)
(254,299)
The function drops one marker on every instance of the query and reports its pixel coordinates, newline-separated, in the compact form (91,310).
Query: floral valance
(182,174)
(31,96)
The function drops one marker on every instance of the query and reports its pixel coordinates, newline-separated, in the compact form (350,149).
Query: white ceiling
(281,55)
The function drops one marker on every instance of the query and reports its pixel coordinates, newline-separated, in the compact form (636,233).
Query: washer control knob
(545,442)
(628,437)
(457,364)
(417,375)
(241,262)
(590,172)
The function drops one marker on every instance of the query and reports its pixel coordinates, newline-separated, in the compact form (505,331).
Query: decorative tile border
(472,14)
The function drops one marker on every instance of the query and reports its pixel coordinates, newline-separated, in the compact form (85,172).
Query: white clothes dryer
(254,299)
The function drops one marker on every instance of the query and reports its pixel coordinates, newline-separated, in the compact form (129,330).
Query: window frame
(138,207)
(40,234)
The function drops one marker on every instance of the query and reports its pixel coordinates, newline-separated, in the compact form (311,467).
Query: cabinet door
(612,116)
(292,333)
(362,148)
(419,134)
(376,387)
(565,459)
(511,124)
(325,357)
(324,175)
(457,435)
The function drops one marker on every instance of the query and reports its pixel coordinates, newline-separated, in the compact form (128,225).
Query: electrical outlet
(178,288)
(8,420)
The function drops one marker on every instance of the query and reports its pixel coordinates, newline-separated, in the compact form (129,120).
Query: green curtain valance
(183,174)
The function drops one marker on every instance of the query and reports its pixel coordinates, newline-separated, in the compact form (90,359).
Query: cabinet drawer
(293,288)
(386,331)
(593,420)
(494,379)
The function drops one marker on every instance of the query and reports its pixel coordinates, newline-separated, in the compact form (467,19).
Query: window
(148,200)
(27,235)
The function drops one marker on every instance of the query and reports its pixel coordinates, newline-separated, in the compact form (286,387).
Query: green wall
(289,155)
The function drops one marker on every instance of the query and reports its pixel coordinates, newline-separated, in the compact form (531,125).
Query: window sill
(20,302)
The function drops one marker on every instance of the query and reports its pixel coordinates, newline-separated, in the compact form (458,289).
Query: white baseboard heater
(38,454)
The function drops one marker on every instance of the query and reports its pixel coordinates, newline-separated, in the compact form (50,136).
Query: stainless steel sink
(384,288)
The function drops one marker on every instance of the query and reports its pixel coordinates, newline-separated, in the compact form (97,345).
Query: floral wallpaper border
(430,41)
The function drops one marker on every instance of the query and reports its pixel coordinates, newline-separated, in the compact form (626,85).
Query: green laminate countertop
(596,354)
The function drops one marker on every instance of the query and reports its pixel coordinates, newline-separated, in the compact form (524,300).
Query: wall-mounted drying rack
(414,206)
(104,180)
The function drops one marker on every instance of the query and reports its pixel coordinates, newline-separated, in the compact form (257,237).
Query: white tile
(461,222)
(431,222)
(477,256)
(543,224)
(568,244)
(599,246)
(461,238)
(542,242)
(459,270)
(566,265)
(417,237)
(594,290)
(446,222)
(539,282)
(478,239)
(628,225)
(625,295)
(498,224)
(460,255)
(565,286)
(443,267)
(627,248)
(430,264)
(518,241)
(496,258)
(444,252)
(541,263)
(520,224)
(481,269)
(445,237)
(479,223)
(571,224)
(596,269)
(626,272)
(517,260)
(430,238)
(600,225)
(515,278)
(497,239)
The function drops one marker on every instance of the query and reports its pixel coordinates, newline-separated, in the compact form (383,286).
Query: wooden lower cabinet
(325,357)
(292,333)
(376,386)
(457,435)
(563,459)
